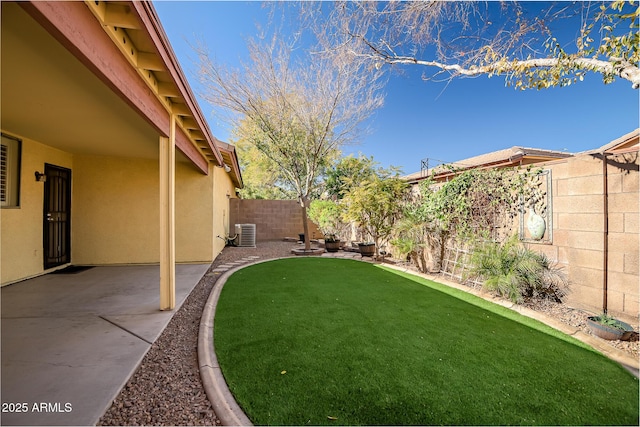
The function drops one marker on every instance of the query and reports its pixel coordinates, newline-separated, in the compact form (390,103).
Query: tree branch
(615,66)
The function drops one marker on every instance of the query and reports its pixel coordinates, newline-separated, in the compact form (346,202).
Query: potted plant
(326,215)
(331,243)
(367,248)
(375,206)
(609,328)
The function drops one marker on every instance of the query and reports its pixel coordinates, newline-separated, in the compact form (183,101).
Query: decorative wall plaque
(536,216)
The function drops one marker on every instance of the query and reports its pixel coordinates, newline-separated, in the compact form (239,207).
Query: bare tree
(467,39)
(296,108)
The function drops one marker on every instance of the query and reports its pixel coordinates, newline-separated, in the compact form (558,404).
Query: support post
(605,242)
(167,219)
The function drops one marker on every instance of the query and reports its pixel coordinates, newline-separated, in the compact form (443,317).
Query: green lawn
(331,341)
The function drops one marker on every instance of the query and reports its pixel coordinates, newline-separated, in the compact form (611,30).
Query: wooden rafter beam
(121,16)
(189,123)
(118,20)
(168,89)
(196,135)
(150,20)
(180,109)
(149,61)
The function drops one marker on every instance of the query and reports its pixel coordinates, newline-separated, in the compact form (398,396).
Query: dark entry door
(57,216)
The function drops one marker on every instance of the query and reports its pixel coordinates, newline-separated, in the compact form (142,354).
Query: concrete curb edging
(224,405)
(215,386)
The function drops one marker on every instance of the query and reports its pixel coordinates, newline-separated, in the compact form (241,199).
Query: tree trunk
(305,223)
(422,263)
(444,236)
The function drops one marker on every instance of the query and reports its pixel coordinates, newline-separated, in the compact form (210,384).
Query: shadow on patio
(71,341)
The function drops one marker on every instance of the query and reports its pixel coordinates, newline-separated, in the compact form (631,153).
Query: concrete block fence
(274,219)
(578,230)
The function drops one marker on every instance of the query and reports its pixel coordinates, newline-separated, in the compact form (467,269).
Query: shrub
(515,272)
(326,215)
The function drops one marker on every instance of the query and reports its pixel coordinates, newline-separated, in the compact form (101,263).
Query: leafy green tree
(327,215)
(350,172)
(467,39)
(416,234)
(375,205)
(261,177)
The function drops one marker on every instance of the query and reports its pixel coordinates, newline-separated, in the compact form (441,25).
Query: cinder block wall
(578,231)
(274,219)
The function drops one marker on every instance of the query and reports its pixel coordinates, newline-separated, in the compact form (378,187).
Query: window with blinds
(9,172)
(4,154)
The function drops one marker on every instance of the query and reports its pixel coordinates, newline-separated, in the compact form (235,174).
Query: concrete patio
(71,341)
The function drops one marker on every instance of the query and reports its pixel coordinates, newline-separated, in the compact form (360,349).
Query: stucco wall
(114,212)
(21,228)
(224,191)
(194,211)
(578,231)
(274,219)
(117,211)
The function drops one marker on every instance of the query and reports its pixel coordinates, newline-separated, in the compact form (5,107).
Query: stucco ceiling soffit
(86,78)
(70,23)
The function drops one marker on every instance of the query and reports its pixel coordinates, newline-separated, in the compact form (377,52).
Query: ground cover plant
(329,341)
(517,272)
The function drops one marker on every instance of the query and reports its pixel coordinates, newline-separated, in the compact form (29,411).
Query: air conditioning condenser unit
(246,235)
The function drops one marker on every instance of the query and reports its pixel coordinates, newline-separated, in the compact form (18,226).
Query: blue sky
(422,119)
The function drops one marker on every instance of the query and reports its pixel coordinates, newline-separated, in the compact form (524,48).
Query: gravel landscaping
(166,388)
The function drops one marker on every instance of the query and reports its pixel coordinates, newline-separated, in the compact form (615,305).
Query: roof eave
(229,152)
(171,62)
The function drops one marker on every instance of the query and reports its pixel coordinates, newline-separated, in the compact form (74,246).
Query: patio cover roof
(626,143)
(230,157)
(123,45)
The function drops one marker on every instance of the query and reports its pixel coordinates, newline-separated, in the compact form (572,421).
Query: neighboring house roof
(509,157)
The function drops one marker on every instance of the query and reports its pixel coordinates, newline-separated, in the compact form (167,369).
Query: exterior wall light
(40,177)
